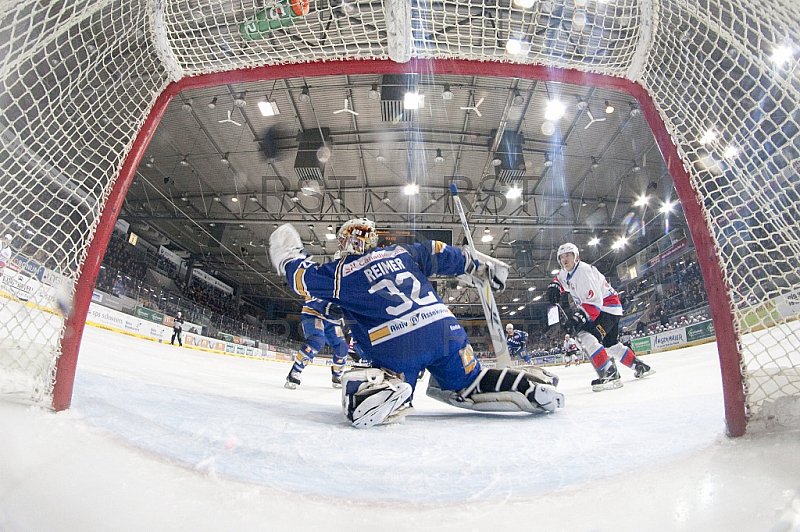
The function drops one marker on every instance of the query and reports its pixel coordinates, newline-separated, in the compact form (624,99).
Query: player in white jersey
(571,350)
(5,250)
(397,318)
(596,320)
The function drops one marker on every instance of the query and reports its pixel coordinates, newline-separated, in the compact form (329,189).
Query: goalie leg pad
(371,397)
(506,390)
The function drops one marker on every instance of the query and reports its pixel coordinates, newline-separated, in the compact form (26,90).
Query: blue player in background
(517,343)
(403,327)
(322,323)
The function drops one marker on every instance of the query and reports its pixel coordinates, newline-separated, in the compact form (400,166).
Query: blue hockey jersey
(516,341)
(390,306)
(319,309)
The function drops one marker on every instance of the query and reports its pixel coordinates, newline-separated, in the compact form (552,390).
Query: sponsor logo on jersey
(365,260)
(404,324)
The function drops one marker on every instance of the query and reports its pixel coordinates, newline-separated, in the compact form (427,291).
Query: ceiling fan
(592,119)
(229,119)
(346,108)
(474,107)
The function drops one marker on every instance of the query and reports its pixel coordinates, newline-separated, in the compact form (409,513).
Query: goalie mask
(357,236)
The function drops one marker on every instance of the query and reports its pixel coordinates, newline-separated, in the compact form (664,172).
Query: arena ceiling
(218,176)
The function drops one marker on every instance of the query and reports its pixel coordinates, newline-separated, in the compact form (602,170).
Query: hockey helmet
(510,327)
(569,247)
(8,239)
(357,236)
(566,337)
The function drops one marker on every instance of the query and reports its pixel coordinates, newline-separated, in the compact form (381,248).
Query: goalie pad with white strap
(501,390)
(371,396)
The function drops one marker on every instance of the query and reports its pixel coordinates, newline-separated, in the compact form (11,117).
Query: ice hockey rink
(165,438)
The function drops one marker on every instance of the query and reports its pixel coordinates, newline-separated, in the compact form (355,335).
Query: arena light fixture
(514,192)
(555,110)
(213,103)
(413,100)
(380,158)
(548,162)
(304,96)
(184,162)
(268,108)
(373,92)
(594,241)
(438,157)
(447,94)
(411,189)
(609,108)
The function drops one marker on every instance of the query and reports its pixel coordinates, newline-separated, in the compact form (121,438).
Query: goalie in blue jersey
(403,327)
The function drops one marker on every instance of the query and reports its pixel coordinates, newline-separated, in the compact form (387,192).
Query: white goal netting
(79,79)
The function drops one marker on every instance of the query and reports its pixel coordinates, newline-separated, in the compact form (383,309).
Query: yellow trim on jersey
(299,283)
(438,246)
(380,333)
(337,279)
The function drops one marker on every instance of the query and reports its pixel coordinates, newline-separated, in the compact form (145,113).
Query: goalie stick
(487,297)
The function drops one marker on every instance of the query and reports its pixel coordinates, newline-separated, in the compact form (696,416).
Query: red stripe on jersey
(591,310)
(612,301)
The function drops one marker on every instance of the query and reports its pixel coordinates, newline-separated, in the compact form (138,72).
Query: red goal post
(688,69)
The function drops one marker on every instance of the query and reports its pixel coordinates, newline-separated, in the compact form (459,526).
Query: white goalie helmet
(567,248)
(357,236)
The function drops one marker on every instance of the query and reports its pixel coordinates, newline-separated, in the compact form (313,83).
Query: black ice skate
(609,380)
(292,380)
(336,380)
(641,370)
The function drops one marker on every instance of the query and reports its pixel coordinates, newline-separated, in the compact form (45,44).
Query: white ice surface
(163,438)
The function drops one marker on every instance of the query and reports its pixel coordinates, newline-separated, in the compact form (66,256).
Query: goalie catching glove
(285,246)
(485,268)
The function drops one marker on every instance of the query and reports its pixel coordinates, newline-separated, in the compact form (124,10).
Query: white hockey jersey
(570,345)
(590,290)
(391,307)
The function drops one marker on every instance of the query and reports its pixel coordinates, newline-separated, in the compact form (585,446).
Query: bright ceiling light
(782,55)
(667,207)
(555,110)
(620,243)
(438,157)
(514,192)
(531,288)
(411,189)
(609,108)
(594,241)
(487,238)
(708,136)
(537,298)
(512,312)
(731,152)
(413,100)
(235,199)
(642,201)
(268,108)
(330,236)
(373,92)
(513,46)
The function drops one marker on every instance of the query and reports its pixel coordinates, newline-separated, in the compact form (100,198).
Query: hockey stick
(487,297)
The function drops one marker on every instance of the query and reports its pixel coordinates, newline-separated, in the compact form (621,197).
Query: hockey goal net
(84,84)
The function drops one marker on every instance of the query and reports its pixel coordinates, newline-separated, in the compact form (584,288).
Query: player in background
(322,323)
(625,337)
(5,250)
(596,320)
(177,329)
(403,327)
(571,350)
(517,343)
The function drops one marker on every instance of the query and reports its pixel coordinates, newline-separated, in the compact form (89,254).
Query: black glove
(333,311)
(576,322)
(554,293)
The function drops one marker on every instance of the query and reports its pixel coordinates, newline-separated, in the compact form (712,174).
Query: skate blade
(646,374)
(613,385)
(337,385)
(289,385)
